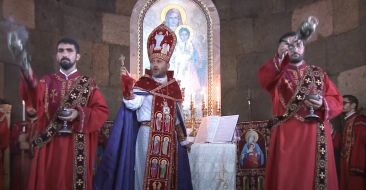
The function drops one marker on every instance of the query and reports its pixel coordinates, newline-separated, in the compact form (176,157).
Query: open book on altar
(217,129)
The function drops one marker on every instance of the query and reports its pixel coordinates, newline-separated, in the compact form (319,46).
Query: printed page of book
(226,129)
(212,126)
(207,129)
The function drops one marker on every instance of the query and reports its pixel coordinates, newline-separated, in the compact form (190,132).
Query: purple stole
(161,166)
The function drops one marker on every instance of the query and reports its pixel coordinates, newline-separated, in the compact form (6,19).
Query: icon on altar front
(251,155)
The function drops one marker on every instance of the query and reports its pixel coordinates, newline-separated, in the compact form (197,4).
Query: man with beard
(70,109)
(351,143)
(300,148)
(134,158)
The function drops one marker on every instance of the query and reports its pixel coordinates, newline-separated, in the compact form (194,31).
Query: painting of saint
(251,155)
(165,146)
(185,62)
(154,168)
(190,60)
(173,18)
(156,145)
(163,168)
(158,121)
(156,185)
(252,145)
(167,123)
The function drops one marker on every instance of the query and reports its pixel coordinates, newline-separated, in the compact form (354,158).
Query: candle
(203,103)
(249,97)
(23,110)
(217,93)
(192,100)
(218,97)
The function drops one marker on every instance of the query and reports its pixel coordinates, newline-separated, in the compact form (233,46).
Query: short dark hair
(352,99)
(67,40)
(286,35)
(184,29)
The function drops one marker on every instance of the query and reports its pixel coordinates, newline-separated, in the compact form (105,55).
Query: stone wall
(101,27)
(2,80)
(249,33)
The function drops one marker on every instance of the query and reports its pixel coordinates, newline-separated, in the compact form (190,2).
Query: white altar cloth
(213,166)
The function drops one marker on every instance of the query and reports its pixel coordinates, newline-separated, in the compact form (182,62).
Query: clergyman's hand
(282,50)
(124,71)
(31,112)
(316,104)
(74,114)
(188,146)
(127,84)
(23,141)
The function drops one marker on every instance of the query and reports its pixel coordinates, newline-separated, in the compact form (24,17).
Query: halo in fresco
(188,28)
(190,58)
(173,6)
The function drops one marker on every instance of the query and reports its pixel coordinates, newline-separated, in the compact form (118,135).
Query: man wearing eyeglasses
(352,146)
(300,149)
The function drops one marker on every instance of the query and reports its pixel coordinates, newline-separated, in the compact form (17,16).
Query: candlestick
(23,110)
(192,106)
(24,127)
(203,105)
(218,100)
(184,94)
(249,99)
(218,109)
(217,93)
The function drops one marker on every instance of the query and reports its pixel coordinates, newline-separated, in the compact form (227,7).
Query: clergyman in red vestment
(4,143)
(300,151)
(165,100)
(352,146)
(70,110)
(152,153)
